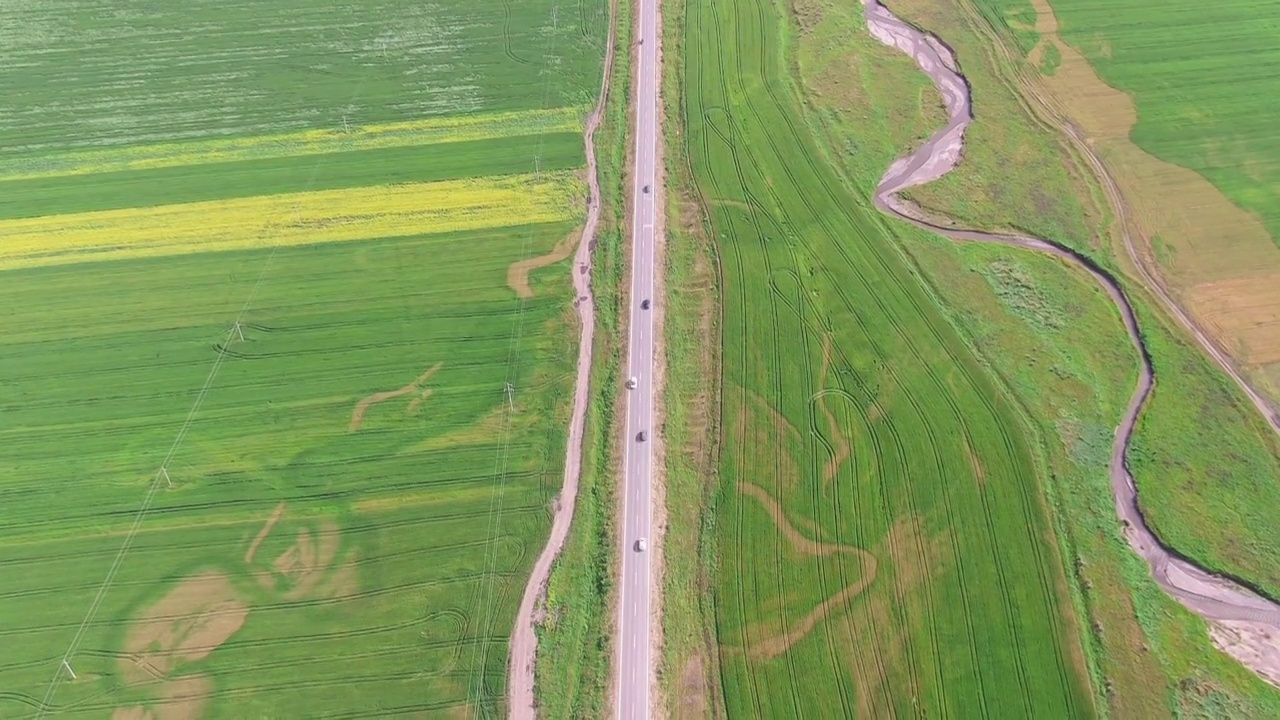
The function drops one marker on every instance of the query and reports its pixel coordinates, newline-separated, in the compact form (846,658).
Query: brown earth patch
(304,564)
(876,626)
(197,616)
(416,402)
(483,430)
(772,646)
(357,415)
(262,534)
(518,272)
(181,699)
(798,541)
(693,690)
(765,438)
(842,450)
(979,472)
(343,583)
(1243,314)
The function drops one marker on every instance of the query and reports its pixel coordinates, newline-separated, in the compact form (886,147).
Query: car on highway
(646,189)
(641,545)
(640,436)
(644,305)
(632,382)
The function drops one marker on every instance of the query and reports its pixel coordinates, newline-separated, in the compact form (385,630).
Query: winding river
(1210,596)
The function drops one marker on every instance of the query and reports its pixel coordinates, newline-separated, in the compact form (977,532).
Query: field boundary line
(162,472)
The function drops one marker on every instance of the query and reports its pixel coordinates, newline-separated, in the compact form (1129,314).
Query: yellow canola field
(458,128)
(291,219)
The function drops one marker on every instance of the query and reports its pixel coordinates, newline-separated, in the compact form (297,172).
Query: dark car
(644,305)
(646,188)
(640,436)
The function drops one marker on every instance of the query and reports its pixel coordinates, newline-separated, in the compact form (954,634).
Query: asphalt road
(633,661)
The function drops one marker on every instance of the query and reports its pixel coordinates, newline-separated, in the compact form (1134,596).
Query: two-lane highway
(633,662)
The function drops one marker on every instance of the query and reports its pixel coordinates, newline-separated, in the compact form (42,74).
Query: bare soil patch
(798,541)
(486,428)
(304,564)
(842,450)
(357,415)
(183,699)
(693,690)
(343,583)
(879,663)
(197,616)
(769,647)
(262,534)
(518,272)
(979,473)
(765,438)
(1243,314)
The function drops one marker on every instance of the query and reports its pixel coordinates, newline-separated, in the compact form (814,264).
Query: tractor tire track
(1211,596)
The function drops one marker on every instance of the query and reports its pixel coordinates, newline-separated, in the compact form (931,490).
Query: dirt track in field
(185,626)
(357,415)
(518,272)
(769,647)
(1244,625)
(524,637)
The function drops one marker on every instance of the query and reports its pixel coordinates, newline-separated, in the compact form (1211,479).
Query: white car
(632,382)
(641,545)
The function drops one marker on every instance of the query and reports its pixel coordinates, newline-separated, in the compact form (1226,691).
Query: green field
(1056,342)
(283,479)
(881,532)
(1204,78)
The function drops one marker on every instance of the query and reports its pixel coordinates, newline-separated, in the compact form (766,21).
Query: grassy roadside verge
(689,670)
(1056,343)
(574,641)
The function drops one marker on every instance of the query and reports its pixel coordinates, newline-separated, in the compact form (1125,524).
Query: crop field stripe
(224,181)
(430,131)
(304,218)
(162,472)
(513,363)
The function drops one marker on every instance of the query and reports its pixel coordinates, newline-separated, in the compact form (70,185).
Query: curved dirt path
(524,638)
(1212,597)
